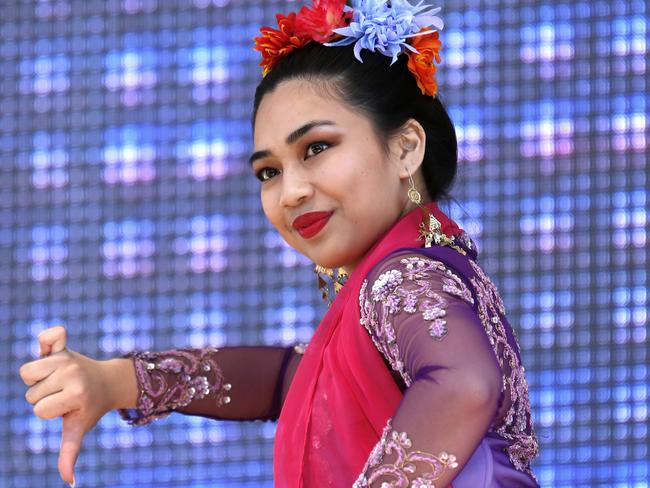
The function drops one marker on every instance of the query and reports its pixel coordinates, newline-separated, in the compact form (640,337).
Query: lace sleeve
(420,316)
(241,383)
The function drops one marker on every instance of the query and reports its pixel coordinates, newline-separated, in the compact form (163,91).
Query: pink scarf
(343,393)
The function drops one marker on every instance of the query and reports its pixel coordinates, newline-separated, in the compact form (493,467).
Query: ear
(409,144)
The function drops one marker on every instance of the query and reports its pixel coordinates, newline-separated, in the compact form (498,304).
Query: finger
(52,340)
(41,390)
(38,370)
(54,405)
(71,439)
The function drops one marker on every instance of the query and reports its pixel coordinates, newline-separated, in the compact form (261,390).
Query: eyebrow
(291,138)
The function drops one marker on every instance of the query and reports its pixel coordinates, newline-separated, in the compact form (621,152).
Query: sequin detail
(408,469)
(195,374)
(300,348)
(393,292)
(516,426)
(409,289)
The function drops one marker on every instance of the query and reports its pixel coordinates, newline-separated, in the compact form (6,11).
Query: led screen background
(129,215)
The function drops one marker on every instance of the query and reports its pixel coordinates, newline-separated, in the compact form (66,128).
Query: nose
(296,187)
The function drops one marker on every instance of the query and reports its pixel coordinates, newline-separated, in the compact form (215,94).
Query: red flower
(276,43)
(318,21)
(422,64)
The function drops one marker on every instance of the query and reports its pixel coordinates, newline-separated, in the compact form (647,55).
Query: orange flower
(422,65)
(276,43)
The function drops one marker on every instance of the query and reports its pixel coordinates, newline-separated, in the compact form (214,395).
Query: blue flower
(385,26)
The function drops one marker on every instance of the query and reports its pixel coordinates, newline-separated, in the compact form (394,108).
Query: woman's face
(327,184)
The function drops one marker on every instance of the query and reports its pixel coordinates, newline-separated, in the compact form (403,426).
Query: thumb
(71,438)
(52,340)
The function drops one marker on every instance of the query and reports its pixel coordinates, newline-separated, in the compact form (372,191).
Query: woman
(413,376)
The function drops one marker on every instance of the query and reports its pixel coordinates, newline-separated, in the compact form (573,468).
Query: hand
(66,384)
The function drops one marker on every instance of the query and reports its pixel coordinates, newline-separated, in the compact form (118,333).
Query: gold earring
(430,229)
(413,193)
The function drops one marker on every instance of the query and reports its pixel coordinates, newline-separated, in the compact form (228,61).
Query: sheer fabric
(457,379)
(239,383)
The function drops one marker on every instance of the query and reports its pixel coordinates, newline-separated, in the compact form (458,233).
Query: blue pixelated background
(129,215)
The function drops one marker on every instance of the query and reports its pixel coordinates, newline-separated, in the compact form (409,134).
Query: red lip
(309,224)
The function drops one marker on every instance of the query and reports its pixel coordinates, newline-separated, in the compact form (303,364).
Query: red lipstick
(309,224)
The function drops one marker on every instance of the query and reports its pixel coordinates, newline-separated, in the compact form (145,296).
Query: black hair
(387,94)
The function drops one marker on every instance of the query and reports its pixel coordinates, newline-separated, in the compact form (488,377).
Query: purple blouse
(428,312)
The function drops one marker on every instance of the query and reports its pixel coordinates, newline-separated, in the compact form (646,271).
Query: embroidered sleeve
(395,462)
(421,316)
(413,289)
(229,383)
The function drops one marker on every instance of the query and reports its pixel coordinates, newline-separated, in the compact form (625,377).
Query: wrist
(121,383)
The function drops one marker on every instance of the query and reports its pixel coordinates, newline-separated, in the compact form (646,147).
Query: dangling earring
(330,281)
(430,229)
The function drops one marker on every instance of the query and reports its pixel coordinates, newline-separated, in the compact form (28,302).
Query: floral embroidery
(516,426)
(411,290)
(196,374)
(385,284)
(405,464)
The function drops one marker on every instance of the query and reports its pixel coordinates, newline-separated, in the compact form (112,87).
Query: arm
(241,383)
(420,316)
(81,390)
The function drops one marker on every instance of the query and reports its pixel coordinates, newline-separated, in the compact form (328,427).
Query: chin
(337,260)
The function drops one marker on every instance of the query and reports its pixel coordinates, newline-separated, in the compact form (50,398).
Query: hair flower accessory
(385,26)
(276,43)
(309,24)
(390,27)
(320,21)
(421,62)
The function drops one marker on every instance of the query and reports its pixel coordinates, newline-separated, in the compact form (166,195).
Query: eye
(313,149)
(266,173)
(319,147)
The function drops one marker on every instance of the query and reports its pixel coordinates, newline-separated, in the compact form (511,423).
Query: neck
(407,208)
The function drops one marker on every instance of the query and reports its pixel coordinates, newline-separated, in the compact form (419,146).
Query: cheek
(269,206)
(272,210)
(350,179)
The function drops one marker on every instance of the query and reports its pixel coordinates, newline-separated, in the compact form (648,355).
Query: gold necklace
(330,281)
